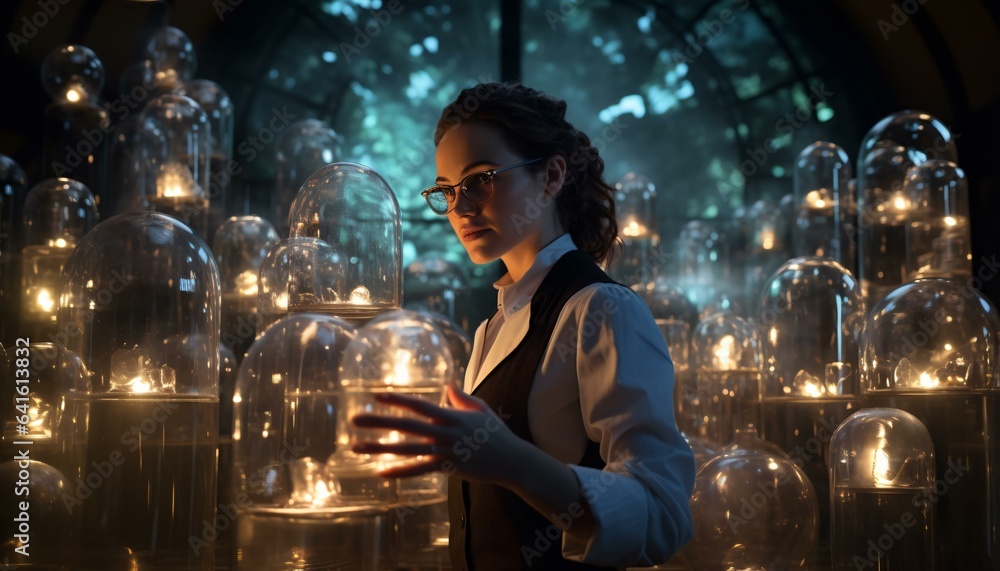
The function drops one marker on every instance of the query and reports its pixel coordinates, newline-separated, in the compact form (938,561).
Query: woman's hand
(469,440)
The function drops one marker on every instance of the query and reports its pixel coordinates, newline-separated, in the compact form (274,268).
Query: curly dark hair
(534,125)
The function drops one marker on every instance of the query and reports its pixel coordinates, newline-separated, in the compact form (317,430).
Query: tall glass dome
(352,208)
(139,303)
(930,347)
(882,468)
(939,241)
(824,205)
(305,147)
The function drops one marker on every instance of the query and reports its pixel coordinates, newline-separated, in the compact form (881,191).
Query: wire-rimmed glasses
(476,187)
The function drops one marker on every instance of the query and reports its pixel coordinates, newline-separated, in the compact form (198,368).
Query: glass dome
(139,305)
(459,343)
(823,203)
(437,285)
(305,147)
(639,228)
(931,335)
(134,282)
(73,74)
(810,316)
(285,410)
(752,510)
(299,275)
(917,131)
(882,466)
(930,348)
(727,368)
(173,57)
(58,212)
(215,102)
(399,351)
(766,247)
(287,405)
(47,543)
(174,157)
(885,212)
(353,209)
(939,242)
(702,262)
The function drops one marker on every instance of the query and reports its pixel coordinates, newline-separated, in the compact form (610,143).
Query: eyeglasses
(477,188)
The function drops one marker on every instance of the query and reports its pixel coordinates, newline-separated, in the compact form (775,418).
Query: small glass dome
(173,57)
(73,74)
(725,358)
(752,510)
(931,335)
(58,212)
(702,262)
(399,351)
(635,207)
(136,281)
(49,539)
(240,246)
(353,209)
(285,411)
(175,151)
(882,469)
(823,204)
(810,315)
(939,242)
(299,275)
(459,343)
(435,284)
(674,313)
(215,102)
(767,228)
(917,131)
(305,147)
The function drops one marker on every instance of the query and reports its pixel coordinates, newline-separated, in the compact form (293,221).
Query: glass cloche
(173,58)
(299,275)
(939,241)
(824,204)
(882,470)
(353,209)
(302,149)
(139,306)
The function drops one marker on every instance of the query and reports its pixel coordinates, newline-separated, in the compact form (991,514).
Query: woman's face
(517,216)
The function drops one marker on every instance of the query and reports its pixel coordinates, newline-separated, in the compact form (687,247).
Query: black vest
(491,525)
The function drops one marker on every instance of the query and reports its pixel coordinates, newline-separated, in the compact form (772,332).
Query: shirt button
(461,521)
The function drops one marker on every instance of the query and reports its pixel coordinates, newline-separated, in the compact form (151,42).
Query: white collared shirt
(605,376)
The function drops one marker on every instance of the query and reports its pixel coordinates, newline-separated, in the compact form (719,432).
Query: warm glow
(139,385)
(174,180)
(724,352)
(767,240)
(950,220)
(72,95)
(58,243)
(927,381)
(246,284)
(880,467)
(45,301)
(633,229)
(361,296)
(281,302)
(401,372)
(811,389)
(814,200)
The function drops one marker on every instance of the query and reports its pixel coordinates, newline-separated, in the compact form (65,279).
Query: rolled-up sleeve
(640,499)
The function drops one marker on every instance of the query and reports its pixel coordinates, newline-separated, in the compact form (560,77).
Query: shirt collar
(513,296)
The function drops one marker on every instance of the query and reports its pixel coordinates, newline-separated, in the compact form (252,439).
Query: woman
(566,455)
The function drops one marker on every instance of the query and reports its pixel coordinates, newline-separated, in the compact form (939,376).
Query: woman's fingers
(415,404)
(407,425)
(401,448)
(462,401)
(409,470)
